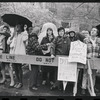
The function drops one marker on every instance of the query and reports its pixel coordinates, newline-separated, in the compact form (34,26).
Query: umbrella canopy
(44,30)
(13,19)
(98,27)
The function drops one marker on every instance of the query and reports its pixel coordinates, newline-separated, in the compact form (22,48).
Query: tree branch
(79,6)
(89,11)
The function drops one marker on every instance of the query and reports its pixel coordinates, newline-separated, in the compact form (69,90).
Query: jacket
(93,49)
(33,47)
(5,47)
(61,46)
(44,41)
(20,44)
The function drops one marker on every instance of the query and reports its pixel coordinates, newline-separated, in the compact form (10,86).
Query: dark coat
(61,46)
(6,48)
(45,40)
(33,47)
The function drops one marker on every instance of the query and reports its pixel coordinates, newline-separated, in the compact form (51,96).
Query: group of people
(24,41)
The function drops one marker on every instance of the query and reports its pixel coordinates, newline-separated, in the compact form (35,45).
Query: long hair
(51,30)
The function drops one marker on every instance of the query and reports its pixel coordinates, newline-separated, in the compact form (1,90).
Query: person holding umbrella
(20,49)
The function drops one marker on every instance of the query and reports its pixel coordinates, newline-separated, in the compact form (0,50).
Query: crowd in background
(24,41)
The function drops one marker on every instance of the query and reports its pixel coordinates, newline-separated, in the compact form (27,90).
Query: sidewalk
(42,90)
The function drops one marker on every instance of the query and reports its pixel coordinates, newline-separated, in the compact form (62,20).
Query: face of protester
(30,30)
(49,32)
(94,32)
(4,29)
(72,34)
(18,28)
(85,33)
(25,27)
(61,33)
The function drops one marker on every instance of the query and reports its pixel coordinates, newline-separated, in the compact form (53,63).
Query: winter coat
(5,47)
(45,40)
(33,47)
(92,48)
(20,44)
(61,46)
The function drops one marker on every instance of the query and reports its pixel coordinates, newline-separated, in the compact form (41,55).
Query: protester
(48,70)
(76,36)
(85,33)
(93,47)
(30,30)
(20,49)
(11,41)
(60,46)
(33,48)
(4,48)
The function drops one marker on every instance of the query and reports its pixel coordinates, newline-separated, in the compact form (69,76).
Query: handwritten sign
(78,52)
(66,71)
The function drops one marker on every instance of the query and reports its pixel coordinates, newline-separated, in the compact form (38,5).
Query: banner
(29,59)
(66,71)
(43,60)
(78,52)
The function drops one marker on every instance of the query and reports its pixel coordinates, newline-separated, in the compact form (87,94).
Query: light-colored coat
(18,44)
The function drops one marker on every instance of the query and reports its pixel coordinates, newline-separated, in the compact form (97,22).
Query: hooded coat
(46,40)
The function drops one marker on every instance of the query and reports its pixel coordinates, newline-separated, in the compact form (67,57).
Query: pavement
(42,90)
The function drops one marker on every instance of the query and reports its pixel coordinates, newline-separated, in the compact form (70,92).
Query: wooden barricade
(47,61)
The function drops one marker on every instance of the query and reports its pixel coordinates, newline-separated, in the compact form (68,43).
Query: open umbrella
(98,27)
(44,30)
(13,19)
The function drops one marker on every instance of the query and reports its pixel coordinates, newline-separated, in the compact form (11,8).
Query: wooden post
(75,86)
(90,81)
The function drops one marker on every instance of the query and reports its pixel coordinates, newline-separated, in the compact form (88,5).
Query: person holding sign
(93,48)
(74,37)
(19,49)
(60,46)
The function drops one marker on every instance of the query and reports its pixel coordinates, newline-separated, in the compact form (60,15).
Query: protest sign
(78,52)
(66,71)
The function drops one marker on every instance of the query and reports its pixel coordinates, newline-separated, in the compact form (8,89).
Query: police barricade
(47,61)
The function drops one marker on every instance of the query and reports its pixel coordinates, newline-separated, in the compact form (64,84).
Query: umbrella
(13,19)
(44,30)
(98,27)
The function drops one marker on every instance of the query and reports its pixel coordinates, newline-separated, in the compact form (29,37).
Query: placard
(67,71)
(78,52)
